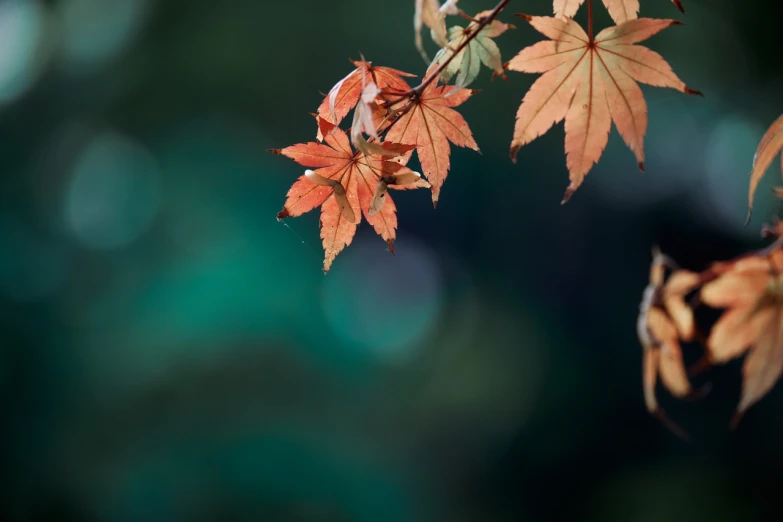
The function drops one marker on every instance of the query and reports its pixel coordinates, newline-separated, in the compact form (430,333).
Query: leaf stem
(417,92)
(482,23)
(466,16)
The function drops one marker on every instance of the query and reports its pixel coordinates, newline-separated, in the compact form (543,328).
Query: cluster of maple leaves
(588,81)
(748,289)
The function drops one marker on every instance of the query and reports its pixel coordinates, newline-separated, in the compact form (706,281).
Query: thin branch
(482,23)
(399,114)
(466,16)
(391,99)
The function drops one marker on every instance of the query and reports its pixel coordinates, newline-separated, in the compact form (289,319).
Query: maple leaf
(590,84)
(430,13)
(429,124)
(771,145)
(620,10)
(664,319)
(450,7)
(346,184)
(363,121)
(367,116)
(751,291)
(344,96)
(480,48)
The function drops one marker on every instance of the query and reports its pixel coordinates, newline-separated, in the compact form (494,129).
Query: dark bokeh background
(170,352)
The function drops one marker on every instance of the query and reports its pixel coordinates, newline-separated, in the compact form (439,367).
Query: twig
(482,23)
(392,99)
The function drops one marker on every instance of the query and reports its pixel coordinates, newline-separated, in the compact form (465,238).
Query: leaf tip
(641,166)
(283,214)
(527,17)
(513,153)
(502,74)
(390,242)
(279,152)
(569,193)
(679,6)
(688,90)
(735,420)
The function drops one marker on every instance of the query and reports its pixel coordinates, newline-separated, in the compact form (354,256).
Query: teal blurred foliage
(170,352)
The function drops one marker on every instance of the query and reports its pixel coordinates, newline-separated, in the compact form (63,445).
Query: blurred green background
(170,352)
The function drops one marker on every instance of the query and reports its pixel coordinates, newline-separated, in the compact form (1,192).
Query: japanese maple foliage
(749,290)
(344,96)
(590,82)
(664,319)
(479,48)
(391,120)
(620,10)
(430,124)
(770,147)
(346,185)
(431,14)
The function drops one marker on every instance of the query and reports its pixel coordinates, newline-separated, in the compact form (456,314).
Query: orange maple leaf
(346,184)
(620,10)
(345,95)
(430,124)
(751,291)
(590,82)
(771,145)
(665,319)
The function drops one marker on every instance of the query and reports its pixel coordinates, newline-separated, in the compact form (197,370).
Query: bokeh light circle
(96,30)
(113,195)
(724,190)
(22,24)
(381,303)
